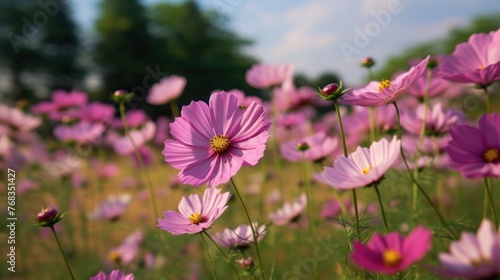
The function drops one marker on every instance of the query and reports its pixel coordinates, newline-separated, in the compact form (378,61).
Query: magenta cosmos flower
(392,253)
(196,213)
(166,90)
(475,152)
(239,238)
(63,104)
(384,92)
(264,76)
(81,132)
(114,275)
(475,61)
(363,167)
(473,256)
(211,142)
(315,147)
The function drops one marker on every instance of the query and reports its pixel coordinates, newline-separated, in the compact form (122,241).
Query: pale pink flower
(264,76)
(437,119)
(112,208)
(81,132)
(211,142)
(196,214)
(239,238)
(290,212)
(168,89)
(13,120)
(363,167)
(384,92)
(314,147)
(114,275)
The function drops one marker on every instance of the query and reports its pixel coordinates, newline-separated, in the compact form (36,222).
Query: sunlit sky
(324,35)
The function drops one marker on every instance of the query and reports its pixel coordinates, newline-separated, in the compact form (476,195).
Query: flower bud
(332,91)
(246,264)
(432,63)
(367,62)
(122,95)
(48,217)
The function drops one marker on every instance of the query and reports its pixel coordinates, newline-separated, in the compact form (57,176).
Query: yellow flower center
(219,143)
(196,218)
(491,155)
(366,170)
(302,146)
(391,257)
(114,257)
(384,84)
(482,67)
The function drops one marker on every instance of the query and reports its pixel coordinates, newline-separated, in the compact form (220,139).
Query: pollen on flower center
(197,218)
(391,257)
(219,143)
(482,67)
(303,146)
(491,155)
(366,169)
(384,84)
(114,257)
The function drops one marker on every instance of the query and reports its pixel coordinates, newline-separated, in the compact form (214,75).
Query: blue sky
(323,35)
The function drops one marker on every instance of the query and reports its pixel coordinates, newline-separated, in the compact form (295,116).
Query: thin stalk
(307,187)
(223,253)
(62,252)
(489,192)
(372,117)
(174,108)
(398,118)
(375,186)
(210,263)
(251,227)
(344,146)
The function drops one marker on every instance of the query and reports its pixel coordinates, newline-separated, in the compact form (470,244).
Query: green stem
(375,186)
(307,187)
(489,192)
(398,119)
(344,146)
(223,253)
(255,237)
(62,252)
(210,263)
(372,117)
(174,108)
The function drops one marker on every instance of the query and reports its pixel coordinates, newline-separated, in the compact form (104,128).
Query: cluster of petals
(112,208)
(384,92)
(363,167)
(63,104)
(14,120)
(290,212)
(264,76)
(114,275)
(475,61)
(243,99)
(122,144)
(126,252)
(392,253)
(310,148)
(475,151)
(437,119)
(168,89)
(239,238)
(473,256)
(196,213)
(81,132)
(212,141)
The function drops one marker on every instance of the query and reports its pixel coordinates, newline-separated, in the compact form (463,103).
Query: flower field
(394,179)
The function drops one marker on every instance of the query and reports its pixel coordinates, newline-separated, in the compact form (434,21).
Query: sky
(331,35)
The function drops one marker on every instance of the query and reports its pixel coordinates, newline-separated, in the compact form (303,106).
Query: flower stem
(398,118)
(487,100)
(489,192)
(372,116)
(174,108)
(344,146)
(210,263)
(375,186)
(62,252)
(307,187)
(223,253)
(251,227)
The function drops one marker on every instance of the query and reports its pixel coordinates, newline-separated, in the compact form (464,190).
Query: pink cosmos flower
(292,98)
(112,208)
(473,256)
(239,238)
(291,125)
(168,89)
(13,120)
(128,250)
(211,142)
(196,213)
(384,92)
(264,76)
(392,253)
(363,167)
(162,130)
(475,152)
(475,61)
(243,99)
(290,212)
(311,148)
(104,170)
(114,275)
(81,133)
(96,112)
(63,104)
(437,119)
(134,119)
(140,135)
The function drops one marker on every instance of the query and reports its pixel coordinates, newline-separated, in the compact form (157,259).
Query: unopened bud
(367,62)
(48,217)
